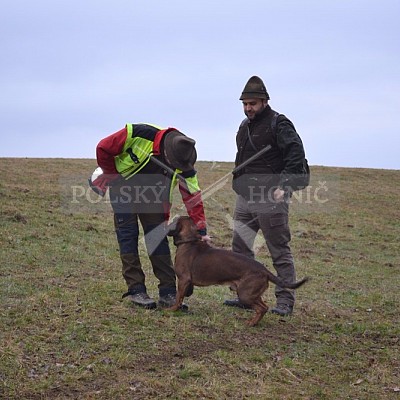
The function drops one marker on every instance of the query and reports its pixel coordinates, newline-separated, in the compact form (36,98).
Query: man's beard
(254,115)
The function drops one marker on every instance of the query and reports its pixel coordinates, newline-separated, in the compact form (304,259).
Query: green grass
(65,332)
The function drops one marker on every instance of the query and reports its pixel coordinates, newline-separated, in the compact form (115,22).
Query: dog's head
(183,228)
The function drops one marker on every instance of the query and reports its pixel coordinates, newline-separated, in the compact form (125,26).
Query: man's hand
(102,182)
(279,195)
(99,185)
(206,239)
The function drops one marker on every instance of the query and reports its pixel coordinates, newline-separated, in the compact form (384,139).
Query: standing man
(141,164)
(264,186)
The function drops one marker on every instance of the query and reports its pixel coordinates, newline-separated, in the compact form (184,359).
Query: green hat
(255,89)
(180,150)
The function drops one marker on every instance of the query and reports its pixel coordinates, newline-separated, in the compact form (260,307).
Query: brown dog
(199,264)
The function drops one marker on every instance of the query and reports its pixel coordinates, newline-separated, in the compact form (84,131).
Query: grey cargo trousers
(273,221)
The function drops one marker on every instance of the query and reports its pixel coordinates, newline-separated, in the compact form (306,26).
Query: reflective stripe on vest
(135,154)
(192,184)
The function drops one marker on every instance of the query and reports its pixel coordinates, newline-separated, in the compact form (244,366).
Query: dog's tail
(283,284)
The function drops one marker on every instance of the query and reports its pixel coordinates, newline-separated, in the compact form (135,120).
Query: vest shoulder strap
(274,122)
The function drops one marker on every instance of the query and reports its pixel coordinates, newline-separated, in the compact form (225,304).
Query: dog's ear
(171,228)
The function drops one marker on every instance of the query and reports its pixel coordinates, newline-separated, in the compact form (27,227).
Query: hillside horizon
(198,161)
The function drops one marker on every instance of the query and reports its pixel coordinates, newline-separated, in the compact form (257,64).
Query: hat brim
(187,165)
(253,95)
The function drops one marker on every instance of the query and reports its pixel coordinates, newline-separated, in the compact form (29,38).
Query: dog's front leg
(183,285)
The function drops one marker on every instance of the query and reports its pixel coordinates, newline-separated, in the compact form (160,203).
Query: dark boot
(141,299)
(282,309)
(169,300)
(236,303)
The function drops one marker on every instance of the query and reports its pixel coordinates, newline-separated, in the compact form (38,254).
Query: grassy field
(65,332)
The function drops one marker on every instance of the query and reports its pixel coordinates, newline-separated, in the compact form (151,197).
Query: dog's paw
(175,307)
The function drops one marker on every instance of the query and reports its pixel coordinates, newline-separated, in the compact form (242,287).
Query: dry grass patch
(66,333)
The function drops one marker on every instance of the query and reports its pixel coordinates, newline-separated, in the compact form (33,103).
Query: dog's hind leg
(249,292)
(260,309)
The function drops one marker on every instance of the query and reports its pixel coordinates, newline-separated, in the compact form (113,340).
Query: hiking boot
(282,309)
(236,303)
(169,300)
(141,299)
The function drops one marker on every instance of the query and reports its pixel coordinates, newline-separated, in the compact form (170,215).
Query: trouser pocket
(279,232)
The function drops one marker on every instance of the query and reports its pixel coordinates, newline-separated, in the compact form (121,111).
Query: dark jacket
(282,160)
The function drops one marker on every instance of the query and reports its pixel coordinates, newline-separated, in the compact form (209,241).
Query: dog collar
(179,242)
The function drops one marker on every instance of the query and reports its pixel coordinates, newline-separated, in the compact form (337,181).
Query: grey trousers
(273,221)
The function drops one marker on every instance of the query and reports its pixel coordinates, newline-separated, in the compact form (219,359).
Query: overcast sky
(73,72)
